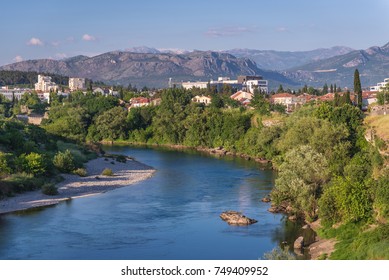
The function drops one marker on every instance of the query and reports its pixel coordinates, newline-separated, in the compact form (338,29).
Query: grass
(359,242)
(380,125)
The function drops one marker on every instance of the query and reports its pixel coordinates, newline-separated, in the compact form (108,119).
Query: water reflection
(173,215)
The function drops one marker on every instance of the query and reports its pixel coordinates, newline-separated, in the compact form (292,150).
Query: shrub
(279,254)
(64,161)
(80,172)
(32,163)
(49,189)
(107,172)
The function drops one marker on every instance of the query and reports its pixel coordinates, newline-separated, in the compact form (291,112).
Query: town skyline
(58,30)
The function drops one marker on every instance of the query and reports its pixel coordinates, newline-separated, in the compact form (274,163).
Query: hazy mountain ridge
(282,60)
(372,64)
(151,69)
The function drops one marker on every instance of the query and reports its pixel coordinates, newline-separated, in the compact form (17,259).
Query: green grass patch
(358,241)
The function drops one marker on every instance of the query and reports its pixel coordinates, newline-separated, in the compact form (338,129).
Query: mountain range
(282,60)
(372,64)
(150,69)
(153,67)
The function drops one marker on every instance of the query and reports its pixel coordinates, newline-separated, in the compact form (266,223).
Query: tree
(301,177)
(358,88)
(64,161)
(325,89)
(260,104)
(332,88)
(32,163)
(112,124)
(280,89)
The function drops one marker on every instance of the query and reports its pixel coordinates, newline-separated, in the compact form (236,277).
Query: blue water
(173,215)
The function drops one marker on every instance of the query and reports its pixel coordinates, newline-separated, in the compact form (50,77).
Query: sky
(62,29)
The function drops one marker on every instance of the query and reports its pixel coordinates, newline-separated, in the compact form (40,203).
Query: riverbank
(321,248)
(74,186)
(218,151)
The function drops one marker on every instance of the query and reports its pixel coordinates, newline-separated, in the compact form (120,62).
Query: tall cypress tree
(358,88)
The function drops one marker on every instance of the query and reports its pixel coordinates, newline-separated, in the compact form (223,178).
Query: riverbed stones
(266,199)
(236,218)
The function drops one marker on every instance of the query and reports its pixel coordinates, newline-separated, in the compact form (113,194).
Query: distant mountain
(372,64)
(282,60)
(150,69)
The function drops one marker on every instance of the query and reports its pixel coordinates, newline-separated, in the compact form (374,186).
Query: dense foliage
(29,157)
(28,78)
(326,168)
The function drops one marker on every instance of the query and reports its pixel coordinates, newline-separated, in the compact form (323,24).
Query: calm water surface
(173,215)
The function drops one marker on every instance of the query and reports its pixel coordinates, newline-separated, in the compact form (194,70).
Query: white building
(249,83)
(380,86)
(261,85)
(190,85)
(45,84)
(202,99)
(16,93)
(76,83)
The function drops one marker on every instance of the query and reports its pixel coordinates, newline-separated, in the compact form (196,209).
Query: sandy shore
(75,186)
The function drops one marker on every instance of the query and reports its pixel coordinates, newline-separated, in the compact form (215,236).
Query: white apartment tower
(76,83)
(45,84)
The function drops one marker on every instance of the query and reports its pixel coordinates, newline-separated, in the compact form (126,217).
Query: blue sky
(59,29)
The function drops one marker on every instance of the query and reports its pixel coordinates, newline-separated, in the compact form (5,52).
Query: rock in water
(236,218)
(299,243)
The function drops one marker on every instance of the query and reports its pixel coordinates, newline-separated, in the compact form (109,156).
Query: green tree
(358,88)
(300,179)
(32,163)
(280,89)
(345,200)
(260,104)
(325,89)
(4,166)
(64,161)
(112,124)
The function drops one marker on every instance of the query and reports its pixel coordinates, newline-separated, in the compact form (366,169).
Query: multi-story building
(380,86)
(248,83)
(45,84)
(14,93)
(76,83)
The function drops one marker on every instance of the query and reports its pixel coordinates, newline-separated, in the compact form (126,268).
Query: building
(202,99)
(16,93)
(380,86)
(239,95)
(248,83)
(139,102)
(288,100)
(76,84)
(45,84)
(190,85)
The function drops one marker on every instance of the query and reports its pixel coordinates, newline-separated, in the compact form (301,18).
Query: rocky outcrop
(236,218)
(299,243)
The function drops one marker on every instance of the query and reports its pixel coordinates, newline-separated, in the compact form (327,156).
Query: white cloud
(35,42)
(227,31)
(18,58)
(282,29)
(55,43)
(61,55)
(87,37)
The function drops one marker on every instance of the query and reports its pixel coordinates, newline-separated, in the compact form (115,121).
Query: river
(173,215)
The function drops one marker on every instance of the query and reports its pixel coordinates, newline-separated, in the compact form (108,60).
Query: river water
(173,215)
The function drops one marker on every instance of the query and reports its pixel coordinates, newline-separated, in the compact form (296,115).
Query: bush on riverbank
(107,172)
(49,189)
